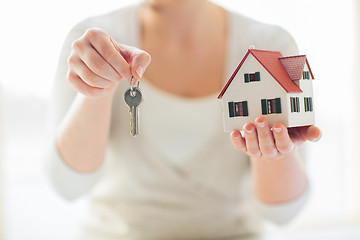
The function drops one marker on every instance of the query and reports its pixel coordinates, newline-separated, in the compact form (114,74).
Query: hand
(97,63)
(260,141)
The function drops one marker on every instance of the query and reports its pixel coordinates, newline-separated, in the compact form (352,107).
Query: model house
(267,83)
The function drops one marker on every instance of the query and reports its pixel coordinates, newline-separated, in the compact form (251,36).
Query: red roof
(274,63)
(294,66)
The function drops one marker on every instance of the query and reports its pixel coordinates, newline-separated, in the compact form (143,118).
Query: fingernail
(251,130)
(277,130)
(140,71)
(260,124)
(236,135)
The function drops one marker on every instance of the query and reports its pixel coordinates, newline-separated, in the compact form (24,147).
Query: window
(294,103)
(238,109)
(334,201)
(252,77)
(306,75)
(308,104)
(270,106)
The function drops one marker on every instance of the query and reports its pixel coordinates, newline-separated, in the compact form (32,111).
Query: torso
(140,184)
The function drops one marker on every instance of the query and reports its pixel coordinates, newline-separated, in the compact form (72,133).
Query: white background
(32,33)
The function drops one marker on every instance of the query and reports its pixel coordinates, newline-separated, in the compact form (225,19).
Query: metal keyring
(132,87)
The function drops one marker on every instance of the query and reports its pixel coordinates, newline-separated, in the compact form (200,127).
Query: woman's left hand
(259,140)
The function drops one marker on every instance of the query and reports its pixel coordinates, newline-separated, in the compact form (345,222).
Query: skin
(175,35)
(278,173)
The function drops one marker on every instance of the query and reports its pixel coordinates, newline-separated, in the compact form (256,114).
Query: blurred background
(32,33)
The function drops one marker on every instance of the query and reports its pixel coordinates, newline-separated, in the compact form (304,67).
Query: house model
(266,83)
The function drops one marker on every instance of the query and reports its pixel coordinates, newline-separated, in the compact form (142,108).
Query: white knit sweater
(190,184)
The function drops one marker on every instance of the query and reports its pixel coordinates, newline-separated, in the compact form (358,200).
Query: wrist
(278,180)
(107,94)
(105,99)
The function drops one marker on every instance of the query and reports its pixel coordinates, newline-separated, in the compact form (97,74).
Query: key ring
(132,87)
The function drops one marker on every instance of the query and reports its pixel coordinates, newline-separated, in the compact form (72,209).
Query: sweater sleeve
(66,181)
(282,213)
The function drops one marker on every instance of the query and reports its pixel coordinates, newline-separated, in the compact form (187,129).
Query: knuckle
(268,150)
(253,151)
(77,44)
(71,60)
(286,149)
(94,34)
(71,76)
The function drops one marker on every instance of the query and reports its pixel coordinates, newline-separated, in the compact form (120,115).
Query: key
(133,98)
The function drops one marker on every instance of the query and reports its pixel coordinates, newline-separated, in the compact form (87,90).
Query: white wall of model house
(266,88)
(302,118)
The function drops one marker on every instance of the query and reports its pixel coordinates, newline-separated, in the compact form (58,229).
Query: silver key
(133,98)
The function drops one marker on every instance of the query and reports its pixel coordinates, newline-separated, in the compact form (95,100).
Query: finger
(238,141)
(138,59)
(103,44)
(251,139)
(283,142)
(313,134)
(265,136)
(90,78)
(94,61)
(78,84)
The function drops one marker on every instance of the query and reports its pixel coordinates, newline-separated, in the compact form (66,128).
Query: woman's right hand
(97,63)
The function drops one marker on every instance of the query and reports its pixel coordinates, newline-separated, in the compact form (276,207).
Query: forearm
(278,180)
(83,134)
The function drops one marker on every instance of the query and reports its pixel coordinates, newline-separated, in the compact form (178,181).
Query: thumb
(137,59)
(313,134)
(140,61)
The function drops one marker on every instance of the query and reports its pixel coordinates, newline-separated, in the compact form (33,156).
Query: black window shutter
(278,105)
(231,109)
(257,76)
(246,77)
(311,104)
(298,104)
(306,105)
(263,106)
(295,105)
(245,109)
